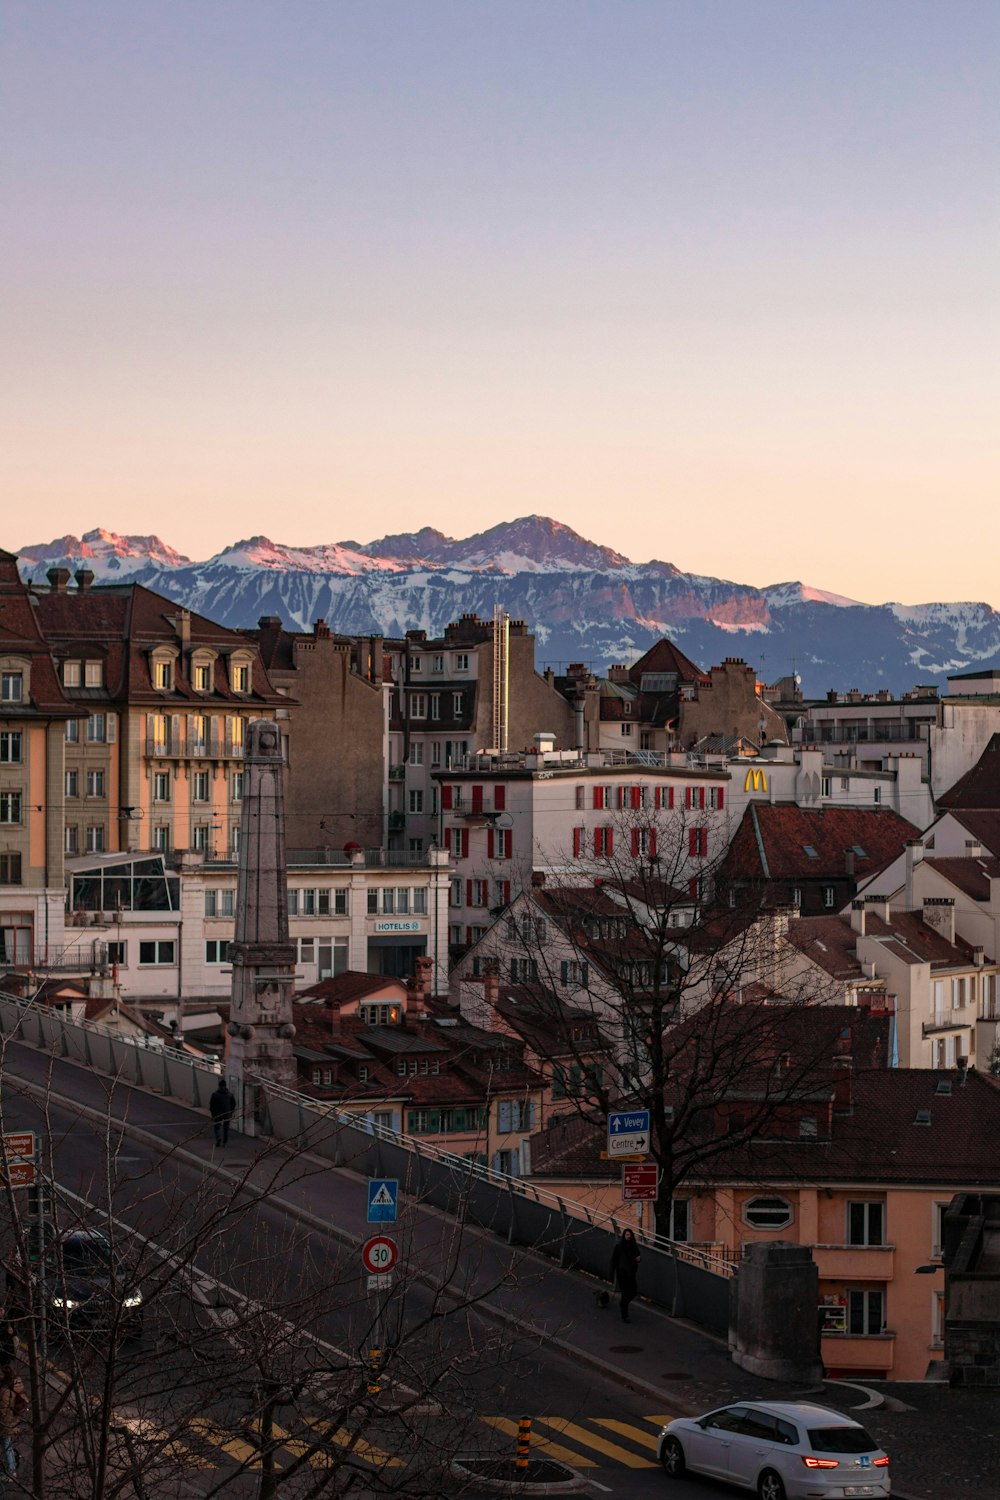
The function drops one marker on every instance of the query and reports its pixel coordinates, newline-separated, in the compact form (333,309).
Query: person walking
(221,1106)
(625,1270)
(13,1405)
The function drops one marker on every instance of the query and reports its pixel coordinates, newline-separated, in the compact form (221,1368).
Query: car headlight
(64,1303)
(134,1299)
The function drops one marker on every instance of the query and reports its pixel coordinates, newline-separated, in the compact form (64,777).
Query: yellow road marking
(221,1437)
(366,1451)
(634,1434)
(553,1450)
(591,1440)
(661,1421)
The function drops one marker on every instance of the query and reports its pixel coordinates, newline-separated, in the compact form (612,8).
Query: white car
(785,1450)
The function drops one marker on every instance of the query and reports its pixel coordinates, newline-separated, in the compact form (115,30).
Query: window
(828,896)
(202,678)
(237,736)
(865,1312)
(216,951)
(10,747)
(437,665)
(72,784)
(523,971)
(461,661)
(95,783)
(236,787)
(420,901)
(581,792)
(767,1213)
(796,895)
(574,973)
(331,956)
(72,731)
(163,674)
(416,753)
(11,687)
(960,992)
(200,837)
(10,807)
(10,869)
(418,705)
(455,935)
(199,786)
(435,705)
(161,837)
(416,802)
(306,953)
(457,702)
(97,729)
(118,954)
(93,674)
(403,900)
(416,846)
(71,674)
(71,839)
(826,786)
(697,842)
(416,665)
(241,679)
(717,797)
(603,842)
(845,783)
(198,734)
(877,795)
(161,786)
(626,730)
(435,748)
(680,1219)
(480,892)
(866,1223)
(160,952)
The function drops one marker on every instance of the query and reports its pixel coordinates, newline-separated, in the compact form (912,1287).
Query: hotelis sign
(399,925)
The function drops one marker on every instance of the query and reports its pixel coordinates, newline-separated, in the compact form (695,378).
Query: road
(258,1268)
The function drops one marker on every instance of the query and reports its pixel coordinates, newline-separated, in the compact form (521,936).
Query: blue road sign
(627,1122)
(383,1193)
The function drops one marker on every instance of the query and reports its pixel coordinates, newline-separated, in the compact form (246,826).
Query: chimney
(58,579)
(973,849)
(939,914)
(84,578)
(321,630)
(182,624)
(578,706)
(978,957)
(843,1085)
(849,862)
(913,854)
(375,651)
(880,906)
(420,984)
(537,878)
(491,988)
(858,917)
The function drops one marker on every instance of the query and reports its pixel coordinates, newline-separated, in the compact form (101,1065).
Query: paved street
(533,1342)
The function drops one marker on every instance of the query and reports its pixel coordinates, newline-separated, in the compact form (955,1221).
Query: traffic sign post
(628,1133)
(379,1254)
(383,1196)
(640,1182)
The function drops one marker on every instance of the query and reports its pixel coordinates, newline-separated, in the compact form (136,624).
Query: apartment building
(156,763)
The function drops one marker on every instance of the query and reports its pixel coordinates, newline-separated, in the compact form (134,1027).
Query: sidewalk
(943,1444)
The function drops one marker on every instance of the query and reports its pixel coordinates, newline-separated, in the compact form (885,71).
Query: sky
(711,281)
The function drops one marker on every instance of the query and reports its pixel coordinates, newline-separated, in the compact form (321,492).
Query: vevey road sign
(628,1133)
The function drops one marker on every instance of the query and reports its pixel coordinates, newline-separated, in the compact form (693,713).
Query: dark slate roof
(971,876)
(980,787)
(774,839)
(982,824)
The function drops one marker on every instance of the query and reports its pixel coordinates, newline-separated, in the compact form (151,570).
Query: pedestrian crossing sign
(382,1195)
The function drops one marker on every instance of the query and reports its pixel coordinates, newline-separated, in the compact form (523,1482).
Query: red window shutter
(721,801)
(704,841)
(598,798)
(468,936)
(510,843)
(635,843)
(577,839)
(657,797)
(447,839)
(693,888)
(652,843)
(598,842)
(670,796)
(468,893)
(636,797)
(446,792)
(499,798)
(692,840)
(489,844)
(687,796)
(506,893)
(465,843)
(609,841)
(477,799)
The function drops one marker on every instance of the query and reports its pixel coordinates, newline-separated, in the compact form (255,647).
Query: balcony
(397,773)
(863,734)
(948,1020)
(219,747)
(855,1262)
(854,1351)
(397,822)
(477,812)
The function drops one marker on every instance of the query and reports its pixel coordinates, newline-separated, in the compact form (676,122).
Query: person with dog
(625,1270)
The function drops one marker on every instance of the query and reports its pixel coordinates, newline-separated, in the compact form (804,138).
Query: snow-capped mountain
(584,602)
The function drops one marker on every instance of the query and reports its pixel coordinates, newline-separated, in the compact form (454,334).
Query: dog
(602,1298)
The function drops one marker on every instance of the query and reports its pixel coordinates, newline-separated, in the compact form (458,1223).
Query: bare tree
(699,1011)
(258,1336)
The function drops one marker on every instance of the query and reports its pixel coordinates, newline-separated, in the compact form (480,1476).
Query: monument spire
(260,1017)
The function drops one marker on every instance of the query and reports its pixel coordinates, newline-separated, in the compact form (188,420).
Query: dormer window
(11,687)
(239,672)
(94,674)
(163,675)
(202,678)
(71,674)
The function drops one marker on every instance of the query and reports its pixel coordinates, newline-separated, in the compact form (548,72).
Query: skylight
(810,851)
(861,853)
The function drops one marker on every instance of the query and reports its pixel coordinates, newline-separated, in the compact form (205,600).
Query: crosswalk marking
(220,1437)
(624,1429)
(593,1440)
(366,1451)
(544,1445)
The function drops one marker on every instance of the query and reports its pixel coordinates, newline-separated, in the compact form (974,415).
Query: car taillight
(820,1463)
(880,1463)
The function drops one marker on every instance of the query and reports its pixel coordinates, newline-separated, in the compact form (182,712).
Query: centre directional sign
(628,1132)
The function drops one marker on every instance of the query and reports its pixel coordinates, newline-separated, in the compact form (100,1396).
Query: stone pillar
(260,1025)
(775,1313)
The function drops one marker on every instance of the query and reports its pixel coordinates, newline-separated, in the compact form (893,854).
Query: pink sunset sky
(709,282)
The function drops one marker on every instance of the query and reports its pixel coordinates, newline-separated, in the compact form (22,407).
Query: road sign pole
(40,1299)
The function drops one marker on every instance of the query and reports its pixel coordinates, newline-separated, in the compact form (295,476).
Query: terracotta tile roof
(971,876)
(774,840)
(910,938)
(980,787)
(352,985)
(881,1140)
(829,942)
(664,656)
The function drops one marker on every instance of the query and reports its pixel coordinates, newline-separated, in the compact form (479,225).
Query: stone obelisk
(260,1017)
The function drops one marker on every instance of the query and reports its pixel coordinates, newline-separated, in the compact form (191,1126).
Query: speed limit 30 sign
(379,1253)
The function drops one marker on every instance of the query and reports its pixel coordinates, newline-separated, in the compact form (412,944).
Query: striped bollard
(523,1442)
(374,1379)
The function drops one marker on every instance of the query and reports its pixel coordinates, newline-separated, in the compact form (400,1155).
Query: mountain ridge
(584,602)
